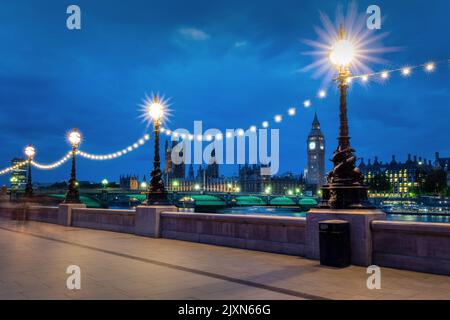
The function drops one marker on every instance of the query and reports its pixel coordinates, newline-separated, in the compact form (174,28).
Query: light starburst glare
(358,47)
(155,108)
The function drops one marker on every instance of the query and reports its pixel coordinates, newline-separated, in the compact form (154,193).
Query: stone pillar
(360,231)
(147,221)
(65,212)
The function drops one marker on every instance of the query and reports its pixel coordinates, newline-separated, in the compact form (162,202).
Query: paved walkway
(34,257)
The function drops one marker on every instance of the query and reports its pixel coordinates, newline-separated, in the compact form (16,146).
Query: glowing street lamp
(105,183)
(29,152)
(73,195)
(345,187)
(156,111)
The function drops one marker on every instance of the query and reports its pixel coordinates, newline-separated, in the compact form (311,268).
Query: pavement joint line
(218,276)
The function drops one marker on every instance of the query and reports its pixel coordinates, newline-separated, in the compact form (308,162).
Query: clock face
(312,145)
(322,147)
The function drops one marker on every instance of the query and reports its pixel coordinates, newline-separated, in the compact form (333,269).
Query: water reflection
(295,212)
(271,211)
(418,218)
(292,212)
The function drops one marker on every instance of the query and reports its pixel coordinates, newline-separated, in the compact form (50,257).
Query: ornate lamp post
(345,188)
(73,195)
(29,152)
(156,192)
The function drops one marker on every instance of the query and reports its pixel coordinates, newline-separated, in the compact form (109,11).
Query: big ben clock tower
(316,155)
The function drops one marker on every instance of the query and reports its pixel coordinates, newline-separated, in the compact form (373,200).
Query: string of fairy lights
(116,154)
(405,71)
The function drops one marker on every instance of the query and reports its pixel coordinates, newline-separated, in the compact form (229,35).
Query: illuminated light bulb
(155,109)
(191,137)
(406,71)
(146,137)
(229,134)
(365,78)
(74,137)
(168,132)
(124,151)
(183,136)
(175,134)
(219,136)
(384,75)
(30,151)
(135,146)
(141,141)
(307,103)
(240,132)
(342,53)
(278,118)
(162,129)
(130,148)
(429,67)
(208,137)
(292,111)
(322,94)
(253,128)
(199,137)
(265,124)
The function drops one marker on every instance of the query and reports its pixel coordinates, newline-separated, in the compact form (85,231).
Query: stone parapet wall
(104,219)
(265,233)
(42,214)
(414,246)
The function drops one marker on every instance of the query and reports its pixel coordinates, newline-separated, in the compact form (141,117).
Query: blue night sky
(229,63)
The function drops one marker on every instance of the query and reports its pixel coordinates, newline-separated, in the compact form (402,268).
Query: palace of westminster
(402,176)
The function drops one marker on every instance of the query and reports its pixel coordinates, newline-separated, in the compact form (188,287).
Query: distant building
(167,159)
(251,181)
(404,177)
(191,175)
(212,168)
(286,184)
(444,164)
(315,144)
(130,182)
(179,170)
(18,176)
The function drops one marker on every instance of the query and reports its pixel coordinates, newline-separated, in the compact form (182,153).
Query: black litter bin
(334,241)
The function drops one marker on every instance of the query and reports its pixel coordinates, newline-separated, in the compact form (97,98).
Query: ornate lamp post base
(28,191)
(156,194)
(345,188)
(157,198)
(72,196)
(341,196)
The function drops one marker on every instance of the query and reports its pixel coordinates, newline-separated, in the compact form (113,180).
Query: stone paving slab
(34,257)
